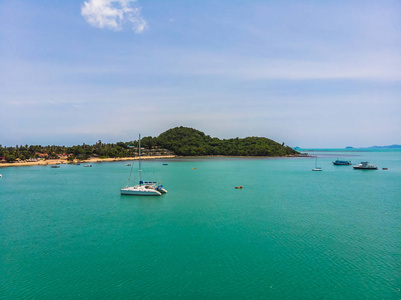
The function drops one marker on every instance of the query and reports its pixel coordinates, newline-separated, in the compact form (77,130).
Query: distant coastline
(181,141)
(394,146)
(349,148)
(387,147)
(50,162)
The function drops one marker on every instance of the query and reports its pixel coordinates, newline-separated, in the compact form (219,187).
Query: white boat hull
(365,166)
(139,191)
(162,190)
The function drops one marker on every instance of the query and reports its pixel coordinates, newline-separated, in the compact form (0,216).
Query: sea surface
(290,233)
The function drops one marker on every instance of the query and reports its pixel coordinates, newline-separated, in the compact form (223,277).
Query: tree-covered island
(181,141)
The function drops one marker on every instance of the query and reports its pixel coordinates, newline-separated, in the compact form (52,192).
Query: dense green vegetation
(101,150)
(181,141)
(191,142)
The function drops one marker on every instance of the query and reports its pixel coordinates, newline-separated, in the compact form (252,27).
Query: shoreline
(100,160)
(243,156)
(50,162)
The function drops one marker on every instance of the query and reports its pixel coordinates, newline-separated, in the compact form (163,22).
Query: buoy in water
(239,187)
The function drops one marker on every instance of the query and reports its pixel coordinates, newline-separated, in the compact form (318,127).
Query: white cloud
(111,14)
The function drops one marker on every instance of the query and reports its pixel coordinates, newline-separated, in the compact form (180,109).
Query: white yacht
(139,190)
(365,166)
(144,188)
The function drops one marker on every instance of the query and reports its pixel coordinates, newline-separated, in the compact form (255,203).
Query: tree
(10,157)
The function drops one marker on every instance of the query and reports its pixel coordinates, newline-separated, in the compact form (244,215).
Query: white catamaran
(144,188)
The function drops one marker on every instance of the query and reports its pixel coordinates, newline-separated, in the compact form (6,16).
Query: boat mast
(139,161)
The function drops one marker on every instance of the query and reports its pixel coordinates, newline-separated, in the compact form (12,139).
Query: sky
(307,73)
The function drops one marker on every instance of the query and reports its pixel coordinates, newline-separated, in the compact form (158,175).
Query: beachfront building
(64,155)
(41,155)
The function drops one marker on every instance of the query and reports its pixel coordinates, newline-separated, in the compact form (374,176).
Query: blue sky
(307,73)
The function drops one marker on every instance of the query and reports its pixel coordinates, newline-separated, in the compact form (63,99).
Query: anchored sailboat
(316,167)
(144,188)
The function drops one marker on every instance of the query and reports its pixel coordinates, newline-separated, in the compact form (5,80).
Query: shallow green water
(290,233)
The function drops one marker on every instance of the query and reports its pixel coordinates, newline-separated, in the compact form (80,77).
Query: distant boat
(165,164)
(341,162)
(128,165)
(1,175)
(365,166)
(316,167)
(144,188)
(54,167)
(88,166)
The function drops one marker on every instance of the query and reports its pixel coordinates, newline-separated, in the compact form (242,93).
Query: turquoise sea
(290,233)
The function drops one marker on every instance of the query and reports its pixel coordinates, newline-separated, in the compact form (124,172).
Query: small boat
(383,169)
(54,167)
(88,166)
(144,188)
(239,187)
(341,162)
(316,167)
(365,166)
(165,164)
(128,165)
(1,175)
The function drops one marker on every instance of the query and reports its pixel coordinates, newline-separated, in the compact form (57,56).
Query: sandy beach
(91,160)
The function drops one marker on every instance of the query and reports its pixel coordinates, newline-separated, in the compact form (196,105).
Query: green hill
(191,142)
(182,141)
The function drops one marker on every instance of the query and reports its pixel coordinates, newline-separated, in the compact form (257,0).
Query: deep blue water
(290,233)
